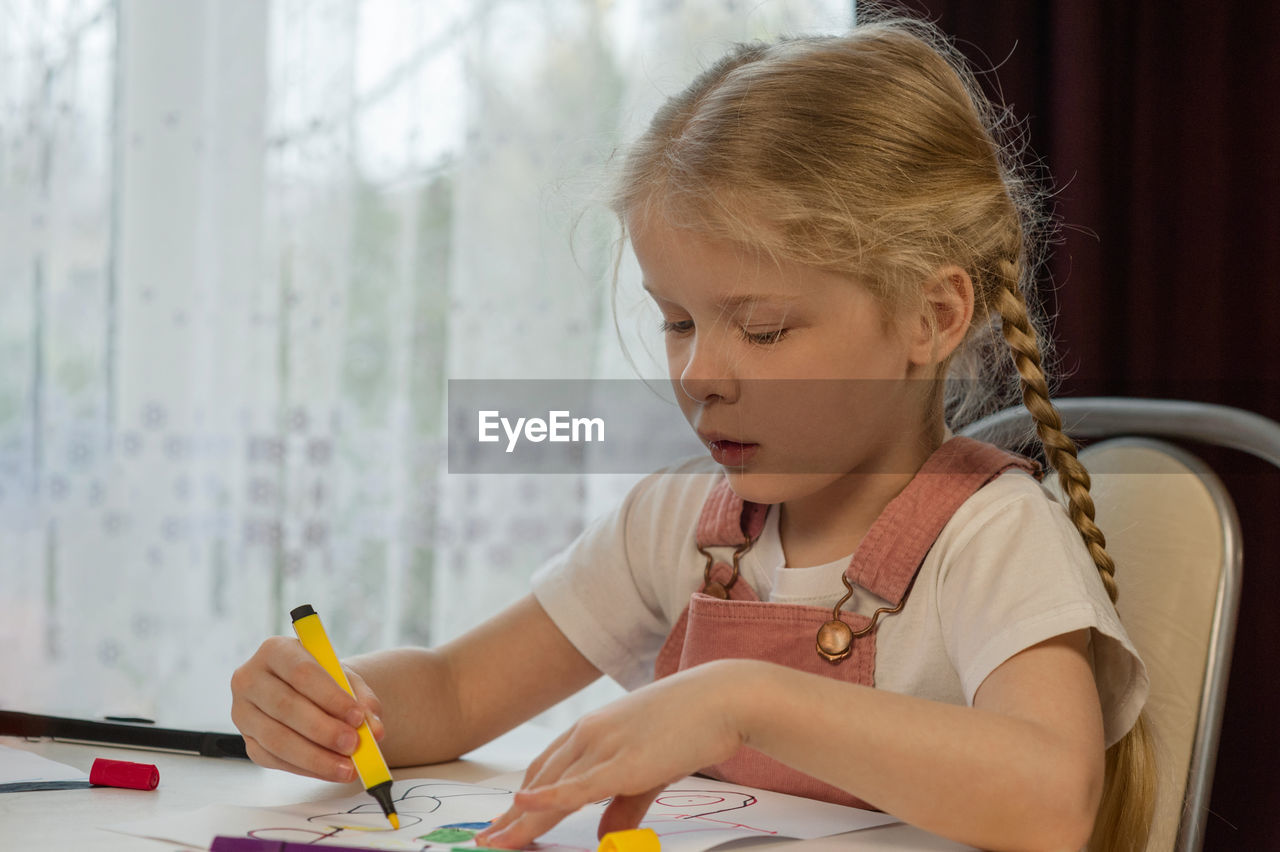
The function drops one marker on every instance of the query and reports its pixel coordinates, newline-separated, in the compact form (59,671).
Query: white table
(68,819)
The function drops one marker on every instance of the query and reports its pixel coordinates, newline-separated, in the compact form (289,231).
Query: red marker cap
(122,773)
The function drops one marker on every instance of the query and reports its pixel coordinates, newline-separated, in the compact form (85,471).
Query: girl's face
(790,375)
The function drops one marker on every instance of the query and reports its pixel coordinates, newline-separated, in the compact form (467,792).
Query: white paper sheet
(18,765)
(690,816)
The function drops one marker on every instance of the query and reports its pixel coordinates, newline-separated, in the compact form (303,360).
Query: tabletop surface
(70,819)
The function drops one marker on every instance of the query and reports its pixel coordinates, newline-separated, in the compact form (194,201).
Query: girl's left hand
(631,750)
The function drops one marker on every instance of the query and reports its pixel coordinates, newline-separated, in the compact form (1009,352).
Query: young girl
(854,605)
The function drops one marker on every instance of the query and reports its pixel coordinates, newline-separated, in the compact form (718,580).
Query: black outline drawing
(720,796)
(414,803)
(411,806)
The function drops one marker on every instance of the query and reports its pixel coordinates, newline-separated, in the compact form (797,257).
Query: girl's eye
(680,327)
(765,337)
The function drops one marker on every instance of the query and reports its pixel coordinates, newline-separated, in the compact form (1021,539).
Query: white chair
(1173,532)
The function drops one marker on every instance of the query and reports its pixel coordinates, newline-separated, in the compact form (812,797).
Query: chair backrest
(1173,531)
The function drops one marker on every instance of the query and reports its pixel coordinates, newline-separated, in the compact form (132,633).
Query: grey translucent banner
(565,426)
(633,426)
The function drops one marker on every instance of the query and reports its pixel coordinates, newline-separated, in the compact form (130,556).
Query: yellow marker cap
(367,757)
(631,840)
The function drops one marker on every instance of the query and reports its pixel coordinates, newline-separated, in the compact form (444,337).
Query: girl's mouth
(732,453)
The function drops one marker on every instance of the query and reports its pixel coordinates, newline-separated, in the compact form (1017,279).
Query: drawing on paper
(693,815)
(708,807)
(676,812)
(413,804)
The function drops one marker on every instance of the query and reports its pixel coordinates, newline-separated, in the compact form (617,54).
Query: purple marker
(223,843)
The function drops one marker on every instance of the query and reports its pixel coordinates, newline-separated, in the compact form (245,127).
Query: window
(245,245)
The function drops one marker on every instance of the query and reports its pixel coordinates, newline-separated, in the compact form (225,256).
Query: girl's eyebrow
(769,299)
(733,303)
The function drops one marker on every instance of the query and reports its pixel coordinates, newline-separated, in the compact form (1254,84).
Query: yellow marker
(632,840)
(367,757)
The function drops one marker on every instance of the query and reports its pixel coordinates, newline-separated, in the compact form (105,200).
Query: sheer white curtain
(243,246)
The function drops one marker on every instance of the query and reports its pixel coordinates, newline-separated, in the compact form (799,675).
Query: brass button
(835,640)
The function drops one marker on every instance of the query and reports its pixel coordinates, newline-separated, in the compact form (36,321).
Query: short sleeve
(616,591)
(1016,573)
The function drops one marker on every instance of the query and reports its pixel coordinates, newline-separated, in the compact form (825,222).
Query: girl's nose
(706,378)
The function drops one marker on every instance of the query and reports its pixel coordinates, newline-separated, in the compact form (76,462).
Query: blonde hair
(875,155)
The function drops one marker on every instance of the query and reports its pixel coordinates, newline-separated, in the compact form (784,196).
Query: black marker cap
(301,612)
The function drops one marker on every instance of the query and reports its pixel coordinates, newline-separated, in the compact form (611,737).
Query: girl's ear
(946,318)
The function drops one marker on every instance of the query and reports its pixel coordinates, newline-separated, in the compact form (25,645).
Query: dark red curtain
(1160,123)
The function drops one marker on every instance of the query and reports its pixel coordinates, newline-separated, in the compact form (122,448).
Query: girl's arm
(441,703)
(1021,769)
(423,705)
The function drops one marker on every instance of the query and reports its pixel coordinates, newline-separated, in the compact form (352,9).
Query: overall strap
(889,555)
(727,520)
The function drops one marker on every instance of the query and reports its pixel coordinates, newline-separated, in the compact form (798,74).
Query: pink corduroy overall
(741,626)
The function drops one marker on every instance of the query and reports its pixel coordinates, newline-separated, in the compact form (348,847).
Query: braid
(1059,450)
(1127,806)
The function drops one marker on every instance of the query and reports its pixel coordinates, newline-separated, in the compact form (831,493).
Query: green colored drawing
(449,835)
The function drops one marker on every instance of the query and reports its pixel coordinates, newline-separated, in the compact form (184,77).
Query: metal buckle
(715,588)
(835,637)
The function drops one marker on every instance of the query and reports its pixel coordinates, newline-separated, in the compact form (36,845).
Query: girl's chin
(758,487)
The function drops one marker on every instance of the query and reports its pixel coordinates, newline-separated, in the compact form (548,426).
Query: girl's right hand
(295,717)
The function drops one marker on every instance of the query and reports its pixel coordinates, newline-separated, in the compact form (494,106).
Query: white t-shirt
(1008,571)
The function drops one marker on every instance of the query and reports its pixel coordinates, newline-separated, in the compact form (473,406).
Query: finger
(497,825)
(536,767)
(369,703)
(580,752)
(624,812)
(276,746)
(578,786)
(513,815)
(283,704)
(523,823)
(511,829)
(522,830)
(293,664)
(266,759)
